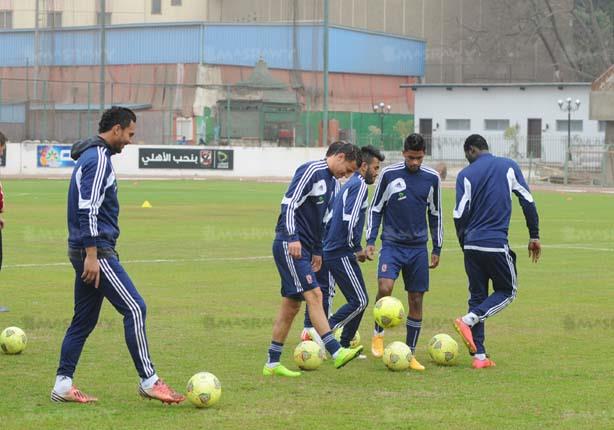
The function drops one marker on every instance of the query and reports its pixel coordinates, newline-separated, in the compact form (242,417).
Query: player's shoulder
(310,167)
(430,172)
(392,169)
(94,155)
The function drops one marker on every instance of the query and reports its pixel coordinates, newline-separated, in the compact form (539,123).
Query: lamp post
(382,109)
(568,106)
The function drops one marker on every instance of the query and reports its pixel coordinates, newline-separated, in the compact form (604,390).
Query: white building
(522,121)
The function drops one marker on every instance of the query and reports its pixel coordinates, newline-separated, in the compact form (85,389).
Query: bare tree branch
(597,31)
(557,34)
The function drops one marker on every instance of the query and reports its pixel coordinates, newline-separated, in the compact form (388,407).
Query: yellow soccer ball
(443,349)
(308,355)
(355,342)
(204,390)
(388,312)
(13,340)
(397,356)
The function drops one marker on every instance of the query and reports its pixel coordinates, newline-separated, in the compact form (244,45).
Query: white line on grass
(268,257)
(153,261)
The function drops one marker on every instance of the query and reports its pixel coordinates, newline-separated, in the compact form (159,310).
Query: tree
(576,35)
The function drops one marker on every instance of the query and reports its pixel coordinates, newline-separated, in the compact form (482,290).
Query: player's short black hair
(477,141)
(369,152)
(351,151)
(414,142)
(115,115)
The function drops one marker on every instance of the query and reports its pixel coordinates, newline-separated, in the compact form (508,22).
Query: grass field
(201,259)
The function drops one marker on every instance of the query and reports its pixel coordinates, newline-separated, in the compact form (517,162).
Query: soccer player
(2,308)
(406,192)
(93,229)
(482,218)
(297,250)
(342,248)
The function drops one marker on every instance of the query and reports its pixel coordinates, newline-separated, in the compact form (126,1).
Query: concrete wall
(21,160)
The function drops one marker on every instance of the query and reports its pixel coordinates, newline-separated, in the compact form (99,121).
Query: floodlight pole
(568,106)
(103,60)
(325,75)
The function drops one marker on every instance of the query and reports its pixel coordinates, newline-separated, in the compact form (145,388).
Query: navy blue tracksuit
(482,217)
(93,211)
(341,243)
(404,200)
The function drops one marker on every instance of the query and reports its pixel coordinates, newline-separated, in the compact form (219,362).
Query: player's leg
(503,274)
(327,286)
(341,356)
(287,312)
(291,292)
(88,302)
(416,280)
(119,289)
(389,267)
(349,277)
(469,326)
(502,269)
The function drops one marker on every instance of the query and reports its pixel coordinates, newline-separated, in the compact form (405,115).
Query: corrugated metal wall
(351,51)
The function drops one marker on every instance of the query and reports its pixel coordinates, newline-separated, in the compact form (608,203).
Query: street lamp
(568,106)
(382,109)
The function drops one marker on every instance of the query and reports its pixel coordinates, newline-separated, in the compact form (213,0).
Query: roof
(262,79)
(605,82)
(519,85)
(85,107)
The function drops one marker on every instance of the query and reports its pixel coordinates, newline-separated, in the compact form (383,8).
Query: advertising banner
(54,156)
(188,158)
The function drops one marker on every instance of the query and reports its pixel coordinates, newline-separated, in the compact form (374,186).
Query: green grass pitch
(201,259)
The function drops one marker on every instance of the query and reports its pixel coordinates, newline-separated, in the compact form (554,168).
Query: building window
(6,19)
(156,7)
(496,124)
(576,125)
(54,19)
(107,20)
(602,126)
(175,2)
(458,124)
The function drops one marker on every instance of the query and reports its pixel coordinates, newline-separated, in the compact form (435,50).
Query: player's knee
(313,296)
(415,301)
(385,289)
(363,305)
(142,307)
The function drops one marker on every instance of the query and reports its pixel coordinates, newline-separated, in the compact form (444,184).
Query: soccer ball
(354,343)
(204,390)
(388,312)
(13,340)
(308,355)
(397,356)
(443,349)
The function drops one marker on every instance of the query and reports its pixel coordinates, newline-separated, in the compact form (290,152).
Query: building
(522,121)
(178,73)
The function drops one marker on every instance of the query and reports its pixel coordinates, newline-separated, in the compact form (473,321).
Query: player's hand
(294,249)
(361,256)
(434,261)
(1,223)
(535,250)
(316,263)
(370,252)
(91,270)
